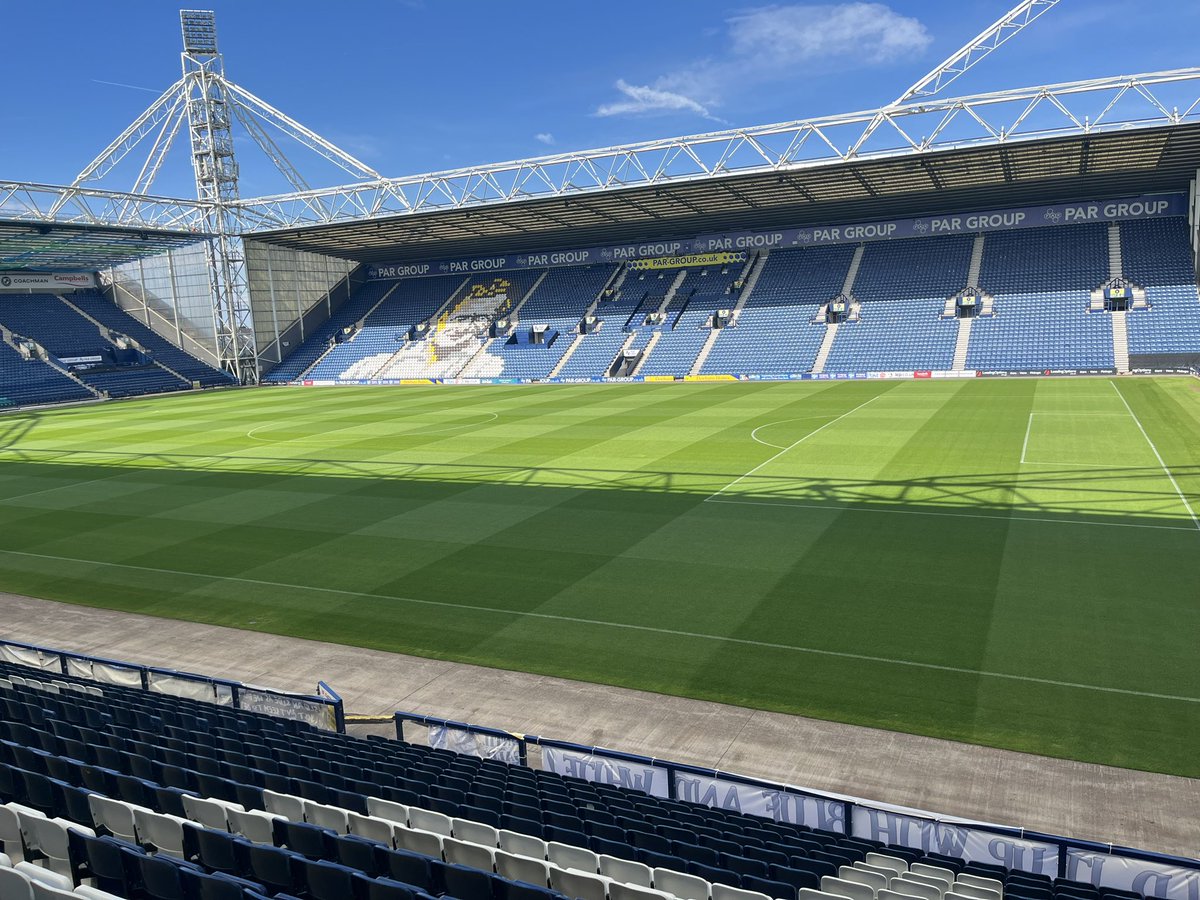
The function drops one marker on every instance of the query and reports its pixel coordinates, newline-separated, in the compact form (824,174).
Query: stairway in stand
(1120,341)
(960,344)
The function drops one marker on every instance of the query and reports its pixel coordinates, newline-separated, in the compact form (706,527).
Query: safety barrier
(1104,865)
(322,710)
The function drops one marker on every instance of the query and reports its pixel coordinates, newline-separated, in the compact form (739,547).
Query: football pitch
(1006,562)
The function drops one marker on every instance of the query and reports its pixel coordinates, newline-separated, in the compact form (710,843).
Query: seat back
(475,832)
(685,887)
(522,844)
(626,870)
(516,867)
(852,889)
(427,820)
(579,884)
(567,856)
(327,817)
(14,885)
(465,853)
(209,813)
(252,825)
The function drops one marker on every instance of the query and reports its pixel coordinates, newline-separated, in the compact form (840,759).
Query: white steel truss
(973,52)
(928,126)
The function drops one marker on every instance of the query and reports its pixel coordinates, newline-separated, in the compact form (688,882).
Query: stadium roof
(55,247)
(1090,166)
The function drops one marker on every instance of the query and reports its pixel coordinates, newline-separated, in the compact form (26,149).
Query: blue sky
(420,85)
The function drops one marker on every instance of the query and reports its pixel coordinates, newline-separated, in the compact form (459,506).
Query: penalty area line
(1158,456)
(623,626)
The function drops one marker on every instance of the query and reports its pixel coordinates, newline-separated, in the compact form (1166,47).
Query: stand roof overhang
(1079,167)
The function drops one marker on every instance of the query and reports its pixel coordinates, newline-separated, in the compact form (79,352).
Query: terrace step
(1120,334)
(960,344)
(831,331)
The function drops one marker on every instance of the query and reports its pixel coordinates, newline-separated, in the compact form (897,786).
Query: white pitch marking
(754,433)
(1025,446)
(1158,456)
(519,614)
(791,446)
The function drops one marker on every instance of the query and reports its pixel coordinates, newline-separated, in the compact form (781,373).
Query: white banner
(770,803)
(104,672)
(648,779)
(1148,878)
(51,281)
(951,839)
(35,659)
(192,688)
(286,706)
(472,743)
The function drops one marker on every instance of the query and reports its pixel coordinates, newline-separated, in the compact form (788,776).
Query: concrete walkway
(1138,809)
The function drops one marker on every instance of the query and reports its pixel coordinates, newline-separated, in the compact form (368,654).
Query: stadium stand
(1158,257)
(300,360)
(1041,313)
(903,286)
(596,352)
(688,323)
(385,328)
(1042,281)
(108,314)
(143,795)
(31,382)
(559,303)
(64,333)
(774,333)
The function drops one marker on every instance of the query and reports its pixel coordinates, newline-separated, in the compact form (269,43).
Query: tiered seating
(775,334)
(144,795)
(903,286)
(1157,255)
(111,316)
(64,333)
(386,329)
(1068,257)
(28,382)
(132,381)
(460,331)
(906,269)
(300,359)
(687,326)
(598,349)
(1033,332)
(1042,281)
(559,303)
(46,319)
(895,335)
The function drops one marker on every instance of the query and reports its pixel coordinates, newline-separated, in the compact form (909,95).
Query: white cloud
(644,98)
(769,44)
(871,33)
(544,137)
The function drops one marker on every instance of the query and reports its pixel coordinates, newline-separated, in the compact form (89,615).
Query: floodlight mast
(210,119)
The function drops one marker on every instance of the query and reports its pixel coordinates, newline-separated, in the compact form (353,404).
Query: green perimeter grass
(1001,562)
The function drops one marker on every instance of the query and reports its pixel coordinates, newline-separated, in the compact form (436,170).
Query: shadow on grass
(1118,495)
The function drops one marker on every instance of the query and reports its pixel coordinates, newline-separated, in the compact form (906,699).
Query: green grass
(1001,562)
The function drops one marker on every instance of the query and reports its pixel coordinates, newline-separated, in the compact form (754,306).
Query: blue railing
(322,710)
(1105,865)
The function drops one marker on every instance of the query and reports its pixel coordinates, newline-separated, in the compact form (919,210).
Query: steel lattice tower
(209,119)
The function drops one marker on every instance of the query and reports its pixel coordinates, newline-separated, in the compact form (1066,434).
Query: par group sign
(706,246)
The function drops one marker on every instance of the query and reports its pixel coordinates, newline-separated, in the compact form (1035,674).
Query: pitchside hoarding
(1150,206)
